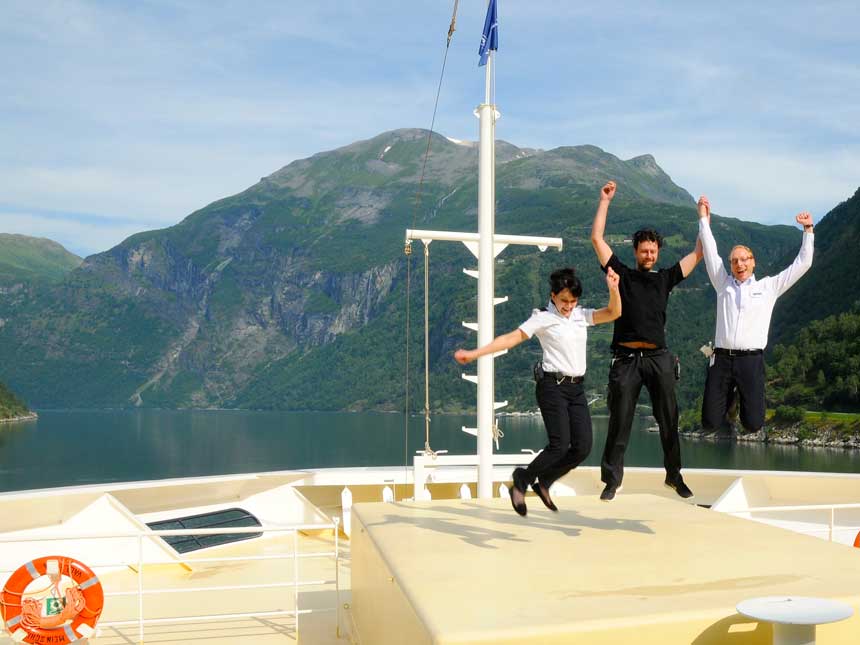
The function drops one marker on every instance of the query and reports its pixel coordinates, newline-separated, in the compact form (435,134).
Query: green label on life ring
(54,606)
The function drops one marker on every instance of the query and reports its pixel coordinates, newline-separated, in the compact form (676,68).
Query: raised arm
(604,252)
(713,262)
(613,310)
(689,261)
(803,261)
(505,341)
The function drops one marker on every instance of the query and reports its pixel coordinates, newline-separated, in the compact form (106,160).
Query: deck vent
(215,520)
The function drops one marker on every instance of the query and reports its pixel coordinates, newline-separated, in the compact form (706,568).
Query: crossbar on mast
(454,236)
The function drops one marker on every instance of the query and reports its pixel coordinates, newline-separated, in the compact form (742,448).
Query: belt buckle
(559,381)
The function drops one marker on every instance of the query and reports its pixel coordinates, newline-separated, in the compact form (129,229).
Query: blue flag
(490,37)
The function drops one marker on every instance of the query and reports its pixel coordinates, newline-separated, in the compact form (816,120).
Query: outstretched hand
(611,278)
(704,207)
(804,219)
(462,356)
(608,191)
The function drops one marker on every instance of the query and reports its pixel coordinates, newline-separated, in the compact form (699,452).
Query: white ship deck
(647,566)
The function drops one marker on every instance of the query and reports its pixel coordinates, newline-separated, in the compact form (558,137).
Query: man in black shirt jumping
(639,354)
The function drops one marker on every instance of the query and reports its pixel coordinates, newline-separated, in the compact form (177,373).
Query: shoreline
(777,436)
(27,417)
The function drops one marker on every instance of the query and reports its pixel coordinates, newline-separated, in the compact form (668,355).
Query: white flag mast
(486,245)
(486,113)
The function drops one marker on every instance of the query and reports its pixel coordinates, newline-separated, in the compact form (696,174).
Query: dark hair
(647,235)
(562,279)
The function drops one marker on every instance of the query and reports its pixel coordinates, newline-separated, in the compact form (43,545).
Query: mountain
(24,259)
(292,294)
(820,369)
(830,287)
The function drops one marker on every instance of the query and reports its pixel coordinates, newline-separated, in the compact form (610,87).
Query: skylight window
(231,517)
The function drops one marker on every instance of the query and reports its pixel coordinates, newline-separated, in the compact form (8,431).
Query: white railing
(423,462)
(830,508)
(140,563)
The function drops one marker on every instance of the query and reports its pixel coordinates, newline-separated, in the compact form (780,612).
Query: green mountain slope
(831,285)
(10,405)
(820,370)
(292,294)
(23,259)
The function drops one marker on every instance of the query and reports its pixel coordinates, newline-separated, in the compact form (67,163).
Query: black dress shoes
(679,487)
(518,491)
(543,492)
(608,493)
(518,500)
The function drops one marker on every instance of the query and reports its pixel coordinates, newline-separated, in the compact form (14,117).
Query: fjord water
(72,447)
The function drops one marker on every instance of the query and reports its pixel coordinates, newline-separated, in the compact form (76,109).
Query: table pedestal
(793,634)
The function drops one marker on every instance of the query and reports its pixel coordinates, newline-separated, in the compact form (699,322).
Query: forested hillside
(820,370)
(831,286)
(292,294)
(10,405)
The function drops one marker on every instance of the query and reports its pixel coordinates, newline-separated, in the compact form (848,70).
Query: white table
(794,617)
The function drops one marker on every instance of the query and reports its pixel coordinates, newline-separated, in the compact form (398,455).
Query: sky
(118,117)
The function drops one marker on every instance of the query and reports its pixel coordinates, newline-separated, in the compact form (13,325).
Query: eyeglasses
(739,260)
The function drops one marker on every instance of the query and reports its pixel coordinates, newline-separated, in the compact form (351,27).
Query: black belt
(736,352)
(623,352)
(561,378)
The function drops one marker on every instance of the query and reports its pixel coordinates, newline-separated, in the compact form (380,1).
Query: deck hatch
(231,517)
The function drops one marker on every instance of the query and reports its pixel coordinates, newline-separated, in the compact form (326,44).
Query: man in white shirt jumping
(744,308)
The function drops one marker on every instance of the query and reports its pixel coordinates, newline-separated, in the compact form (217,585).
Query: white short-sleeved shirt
(562,339)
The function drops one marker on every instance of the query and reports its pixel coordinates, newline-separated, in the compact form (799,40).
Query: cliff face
(247,304)
(291,293)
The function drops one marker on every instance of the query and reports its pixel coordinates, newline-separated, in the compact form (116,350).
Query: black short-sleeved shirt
(644,295)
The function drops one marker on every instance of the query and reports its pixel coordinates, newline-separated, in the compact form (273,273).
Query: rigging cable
(407,250)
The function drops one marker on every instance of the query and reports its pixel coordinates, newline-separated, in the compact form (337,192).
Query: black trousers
(631,369)
(744,374)
(564,409)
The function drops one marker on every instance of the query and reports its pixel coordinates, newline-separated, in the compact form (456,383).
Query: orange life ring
(857,540)
(83,620)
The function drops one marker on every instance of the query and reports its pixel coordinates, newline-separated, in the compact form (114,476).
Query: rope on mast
(407,250)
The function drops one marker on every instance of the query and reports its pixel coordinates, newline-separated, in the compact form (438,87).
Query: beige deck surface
(641,567)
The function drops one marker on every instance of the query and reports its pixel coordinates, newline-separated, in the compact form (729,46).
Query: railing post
(346,509)
(296,577)
(337,575)
(832,515)
(417,476)
(140,587)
